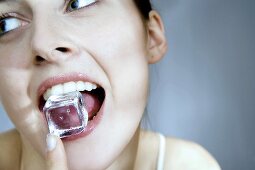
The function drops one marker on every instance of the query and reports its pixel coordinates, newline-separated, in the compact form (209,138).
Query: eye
(77,4)
(9,24)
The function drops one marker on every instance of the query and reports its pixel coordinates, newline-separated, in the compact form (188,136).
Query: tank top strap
(161,152)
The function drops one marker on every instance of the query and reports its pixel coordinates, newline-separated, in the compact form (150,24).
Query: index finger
(56,156)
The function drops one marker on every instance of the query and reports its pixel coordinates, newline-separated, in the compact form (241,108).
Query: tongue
(66,117)
(92,103)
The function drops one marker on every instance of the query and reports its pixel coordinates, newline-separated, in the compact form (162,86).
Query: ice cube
(66,114)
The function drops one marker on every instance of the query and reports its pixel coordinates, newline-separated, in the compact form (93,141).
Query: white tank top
(161,152)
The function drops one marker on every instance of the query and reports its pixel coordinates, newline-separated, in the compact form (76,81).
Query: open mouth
(93,96)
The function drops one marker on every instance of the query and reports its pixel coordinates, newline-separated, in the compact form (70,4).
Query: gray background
(204,89)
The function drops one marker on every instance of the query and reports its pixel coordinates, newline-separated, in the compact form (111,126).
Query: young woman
(50,47)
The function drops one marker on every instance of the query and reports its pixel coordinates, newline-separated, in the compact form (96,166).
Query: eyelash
(67,2)
(4,16)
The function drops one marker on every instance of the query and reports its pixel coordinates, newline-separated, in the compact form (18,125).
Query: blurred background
(204,89)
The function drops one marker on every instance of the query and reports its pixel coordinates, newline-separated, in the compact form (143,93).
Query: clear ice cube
(66,114)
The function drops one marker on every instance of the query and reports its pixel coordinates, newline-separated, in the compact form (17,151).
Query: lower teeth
(66,114)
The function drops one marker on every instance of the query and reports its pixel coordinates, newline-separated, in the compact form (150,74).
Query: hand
(56,156)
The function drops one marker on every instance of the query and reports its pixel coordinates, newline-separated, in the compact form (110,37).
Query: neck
(127,158)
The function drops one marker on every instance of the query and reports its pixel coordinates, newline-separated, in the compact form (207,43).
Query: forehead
(10,1)
(1,1)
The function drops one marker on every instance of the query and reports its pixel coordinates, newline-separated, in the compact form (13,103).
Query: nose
(51,44)
(51,54)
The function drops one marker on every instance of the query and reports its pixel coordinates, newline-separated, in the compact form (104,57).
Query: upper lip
(59,79)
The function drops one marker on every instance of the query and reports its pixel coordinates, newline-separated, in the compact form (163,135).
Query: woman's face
(45,43)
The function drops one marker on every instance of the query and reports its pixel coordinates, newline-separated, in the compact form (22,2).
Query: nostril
(39,59)
(62,49)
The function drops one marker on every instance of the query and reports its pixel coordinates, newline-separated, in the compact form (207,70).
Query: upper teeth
(68,87)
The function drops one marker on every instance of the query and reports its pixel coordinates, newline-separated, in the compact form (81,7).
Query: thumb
(56,156)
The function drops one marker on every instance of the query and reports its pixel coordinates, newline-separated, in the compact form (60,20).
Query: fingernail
(51,142)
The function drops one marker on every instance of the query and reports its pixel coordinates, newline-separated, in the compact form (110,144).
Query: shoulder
(10,149)
(185,155)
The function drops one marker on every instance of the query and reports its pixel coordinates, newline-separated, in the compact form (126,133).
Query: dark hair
(144,6)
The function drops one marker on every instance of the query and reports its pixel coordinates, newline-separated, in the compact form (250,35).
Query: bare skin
(100,47)
(179,154)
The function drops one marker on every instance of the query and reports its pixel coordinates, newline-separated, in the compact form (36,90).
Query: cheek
(119,46)
(14,96)
(15,70)
(125,62)
(15,54)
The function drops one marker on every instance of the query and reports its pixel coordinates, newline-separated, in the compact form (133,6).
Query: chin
(102,147)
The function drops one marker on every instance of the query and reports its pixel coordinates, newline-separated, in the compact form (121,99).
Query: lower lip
(90,126)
